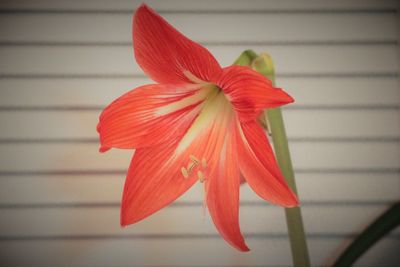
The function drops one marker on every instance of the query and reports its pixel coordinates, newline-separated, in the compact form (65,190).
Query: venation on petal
(217,125)
(250,92)
(150,115)
(155,177)
(203,92)
(165,54)
(259,167)
(222,188)
(211,109)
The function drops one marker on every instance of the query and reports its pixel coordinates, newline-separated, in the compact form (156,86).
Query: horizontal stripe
(368,75)
(81,108)
(305,123)
(343,107)
(98,172)
(52,108)
(63,173)
(346,171)
(6,238)
(252,265)
(71,76)
(48,140)
(357,139)
(85,205)
(275,11)
(211,43)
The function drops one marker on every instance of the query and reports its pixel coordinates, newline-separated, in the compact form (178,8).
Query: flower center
(194,163)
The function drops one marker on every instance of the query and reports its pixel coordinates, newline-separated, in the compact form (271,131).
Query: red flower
(197,124)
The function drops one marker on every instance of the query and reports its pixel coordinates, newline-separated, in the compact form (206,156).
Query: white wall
(61,62)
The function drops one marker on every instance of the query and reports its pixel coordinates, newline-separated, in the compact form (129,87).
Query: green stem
(264,65)
(293,215)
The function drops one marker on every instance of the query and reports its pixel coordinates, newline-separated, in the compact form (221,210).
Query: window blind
(63,61)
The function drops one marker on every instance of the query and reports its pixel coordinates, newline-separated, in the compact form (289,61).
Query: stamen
(203,163)
(185,172)
(201,176)
(190,166)
(194,159)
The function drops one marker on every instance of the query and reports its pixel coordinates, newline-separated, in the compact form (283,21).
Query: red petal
(250,92)
(222,186)
(165,54)
(153,182)
(155,177)
(259,167)
(149,115)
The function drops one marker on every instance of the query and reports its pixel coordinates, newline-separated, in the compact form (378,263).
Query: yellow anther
(194,159)
(203,163)
(185,172)
(201,176)
(191,165)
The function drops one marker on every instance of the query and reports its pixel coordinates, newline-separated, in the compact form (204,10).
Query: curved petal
(150,115)
(153,181)
(165,54)
(259,167)
(221,171)
(160,174)
(223,191)
(250,92)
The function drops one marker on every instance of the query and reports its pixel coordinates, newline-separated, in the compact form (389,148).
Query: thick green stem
(293,215)
(264,65)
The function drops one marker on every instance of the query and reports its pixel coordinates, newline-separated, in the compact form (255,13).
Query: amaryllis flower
(197,124)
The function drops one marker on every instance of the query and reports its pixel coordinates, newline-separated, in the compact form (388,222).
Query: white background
(61,62)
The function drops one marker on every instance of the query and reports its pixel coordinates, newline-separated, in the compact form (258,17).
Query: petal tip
(244,248)
(103,149)
(143,9)
(290,99)
(292,202)
(285,97)
(124,220)
(238,244)
(143,6)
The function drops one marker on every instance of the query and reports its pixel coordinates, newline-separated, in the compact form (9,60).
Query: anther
(203,163)
(201,176)
(194,159)
(190,166)
(185,172)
